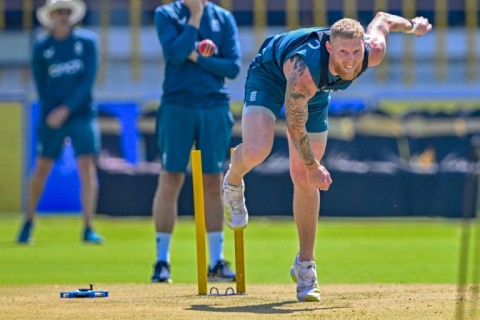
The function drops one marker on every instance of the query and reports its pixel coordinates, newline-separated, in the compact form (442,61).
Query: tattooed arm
(300,89)
(384,23)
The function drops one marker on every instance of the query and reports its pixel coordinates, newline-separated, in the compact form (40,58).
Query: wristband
(414,27)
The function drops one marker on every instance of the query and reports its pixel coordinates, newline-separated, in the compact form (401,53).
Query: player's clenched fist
(320,177)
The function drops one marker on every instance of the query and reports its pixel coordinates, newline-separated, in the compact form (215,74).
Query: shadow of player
(268,308)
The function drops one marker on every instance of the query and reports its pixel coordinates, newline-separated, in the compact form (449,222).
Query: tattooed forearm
(296,99)
(299,65)
(304,149)
(296,118)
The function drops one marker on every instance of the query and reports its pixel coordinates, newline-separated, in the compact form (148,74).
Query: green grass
(347,251)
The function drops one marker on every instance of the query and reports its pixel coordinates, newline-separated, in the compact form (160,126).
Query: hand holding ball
(206,47)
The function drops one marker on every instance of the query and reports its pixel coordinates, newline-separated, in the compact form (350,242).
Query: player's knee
(301,182)
(256,153)
(89,181)
(170,183)
(299,178)
(212,185)
(41,172)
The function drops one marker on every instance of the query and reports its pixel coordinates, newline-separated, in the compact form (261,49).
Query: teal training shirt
(200,84)
(310,44)
(64,72)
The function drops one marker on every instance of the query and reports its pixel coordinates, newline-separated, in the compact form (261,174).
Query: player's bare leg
(165,207)
(89,186)
(218,269)
(257,136)
(89,192)
(43,167)
(306,205)
(165,211)
(306,201)
(212,190)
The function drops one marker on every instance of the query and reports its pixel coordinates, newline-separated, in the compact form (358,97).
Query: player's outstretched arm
(384,23)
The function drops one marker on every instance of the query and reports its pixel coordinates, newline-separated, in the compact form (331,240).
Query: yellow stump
(239,261)
(239,257)
(199,221)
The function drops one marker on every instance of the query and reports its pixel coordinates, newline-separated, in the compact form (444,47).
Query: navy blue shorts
(179,128)
(84,134)
(260,91)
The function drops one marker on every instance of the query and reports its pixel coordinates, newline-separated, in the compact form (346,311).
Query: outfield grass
(348,251)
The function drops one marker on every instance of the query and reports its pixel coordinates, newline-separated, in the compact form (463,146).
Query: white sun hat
(76,6)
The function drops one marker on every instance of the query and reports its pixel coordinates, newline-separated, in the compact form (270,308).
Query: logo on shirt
(48,53)
(183,20)
(78,48)
(65,68)
(215,25)
(253,96)
(314,45)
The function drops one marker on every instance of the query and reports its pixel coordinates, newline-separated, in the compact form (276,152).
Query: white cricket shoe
(234,209)
(304,274)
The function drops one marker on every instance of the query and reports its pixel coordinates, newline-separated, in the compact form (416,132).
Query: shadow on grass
(268,308)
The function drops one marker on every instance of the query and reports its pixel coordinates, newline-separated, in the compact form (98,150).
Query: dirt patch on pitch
(179,301)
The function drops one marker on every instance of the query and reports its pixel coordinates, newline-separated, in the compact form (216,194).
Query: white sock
(163,246)
(215,243)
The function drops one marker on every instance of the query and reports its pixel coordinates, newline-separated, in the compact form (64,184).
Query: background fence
(107,16)
(438,72)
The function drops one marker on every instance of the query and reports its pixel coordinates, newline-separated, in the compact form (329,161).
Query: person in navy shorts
(64,65)
(299,69)
(194,111)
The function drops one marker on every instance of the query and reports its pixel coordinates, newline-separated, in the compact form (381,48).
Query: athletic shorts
(179,128)
(84,134)
(263,96)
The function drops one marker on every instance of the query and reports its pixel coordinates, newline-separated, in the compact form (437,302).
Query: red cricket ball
(206,47)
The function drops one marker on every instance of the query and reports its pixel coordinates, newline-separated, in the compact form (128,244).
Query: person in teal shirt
(299,69)
(194,111)
(64,65)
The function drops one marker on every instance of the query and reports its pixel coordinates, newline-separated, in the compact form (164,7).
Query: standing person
(64,66)
(300,69)
(194,110)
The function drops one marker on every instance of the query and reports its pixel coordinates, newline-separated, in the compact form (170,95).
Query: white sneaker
(234,209)
(304,274)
